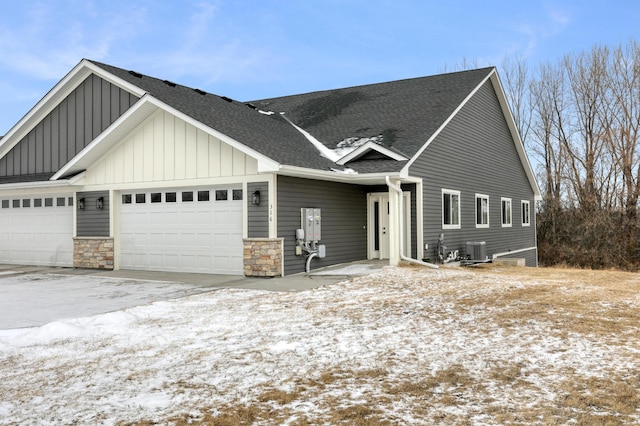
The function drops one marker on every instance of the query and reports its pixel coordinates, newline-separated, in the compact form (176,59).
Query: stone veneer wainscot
(93,252)
(262,257)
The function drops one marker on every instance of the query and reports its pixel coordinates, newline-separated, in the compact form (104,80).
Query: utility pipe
(311,256)
(392,186)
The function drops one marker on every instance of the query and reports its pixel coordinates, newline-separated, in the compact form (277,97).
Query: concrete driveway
(34,296)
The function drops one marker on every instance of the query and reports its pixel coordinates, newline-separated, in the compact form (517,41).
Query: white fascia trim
(265,164)
(360,178)
(60,91)
(35,185)
(513,128)
(143,106)
(361,150)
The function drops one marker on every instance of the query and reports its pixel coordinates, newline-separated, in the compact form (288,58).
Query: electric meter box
(311,224)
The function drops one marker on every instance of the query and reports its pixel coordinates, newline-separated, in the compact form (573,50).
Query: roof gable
(63,129)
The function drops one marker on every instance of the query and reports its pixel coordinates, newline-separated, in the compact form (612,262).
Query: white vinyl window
(482,211)
(506,211)
(450,209)
(526,213)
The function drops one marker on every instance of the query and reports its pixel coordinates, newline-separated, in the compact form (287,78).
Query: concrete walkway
(32,296)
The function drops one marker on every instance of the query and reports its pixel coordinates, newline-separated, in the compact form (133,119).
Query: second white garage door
(185,230)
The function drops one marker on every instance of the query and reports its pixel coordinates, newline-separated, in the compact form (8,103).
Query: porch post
(395,228)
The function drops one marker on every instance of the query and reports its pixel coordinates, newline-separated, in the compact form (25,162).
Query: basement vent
(135,74)
(200,92)
(169,83)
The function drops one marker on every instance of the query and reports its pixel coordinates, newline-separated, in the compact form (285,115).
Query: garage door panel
(37,235)
(197,236)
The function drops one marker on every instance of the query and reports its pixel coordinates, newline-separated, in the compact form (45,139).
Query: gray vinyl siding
(475,154)
(66,130)
(344,218)
(258,216)
(92,222)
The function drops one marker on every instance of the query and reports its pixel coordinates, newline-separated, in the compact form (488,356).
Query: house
(116,169)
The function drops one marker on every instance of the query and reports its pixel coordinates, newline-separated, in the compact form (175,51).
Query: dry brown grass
(600,306)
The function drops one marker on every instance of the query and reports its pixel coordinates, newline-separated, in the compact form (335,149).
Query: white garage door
(194,230)
(37,230)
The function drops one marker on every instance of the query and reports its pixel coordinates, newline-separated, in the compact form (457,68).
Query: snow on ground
(374,336)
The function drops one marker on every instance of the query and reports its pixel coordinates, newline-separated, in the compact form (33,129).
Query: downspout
(392,186)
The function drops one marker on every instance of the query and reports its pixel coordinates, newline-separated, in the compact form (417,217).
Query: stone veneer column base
(263,257)
(93,252)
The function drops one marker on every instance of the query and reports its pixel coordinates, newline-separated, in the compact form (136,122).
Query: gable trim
(126,123)
(52,99)
(519,145)
(405,169)
(370,146)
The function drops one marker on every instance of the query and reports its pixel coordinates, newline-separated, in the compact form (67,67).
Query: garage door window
(60,202)
(203,195)
(170,197)
(5,204)
(37,202)
(16,204)
(237,194)
(156,197)
(141,198)
(48,202)
(221,195)
(187,196)
(126,198)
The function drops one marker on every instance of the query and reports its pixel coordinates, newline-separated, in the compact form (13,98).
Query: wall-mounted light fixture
(100,203)
(255,198)
(81,204)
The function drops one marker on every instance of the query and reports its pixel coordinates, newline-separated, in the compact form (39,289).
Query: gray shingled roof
(406,113)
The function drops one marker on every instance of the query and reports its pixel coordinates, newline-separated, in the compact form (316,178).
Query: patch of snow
(324,151)
(188,356)
(348,145)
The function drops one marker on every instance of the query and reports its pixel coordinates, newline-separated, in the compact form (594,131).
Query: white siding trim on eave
(504,104)
(126,123)
(51,100)
(265,164)
(370,146)
(104,141)
(513,128)
(405,169)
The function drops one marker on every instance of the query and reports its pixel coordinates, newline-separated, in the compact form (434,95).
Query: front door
(378,225)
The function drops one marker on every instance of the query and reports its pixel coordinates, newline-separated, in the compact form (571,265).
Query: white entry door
(378,225)
(37,230)
(184,230)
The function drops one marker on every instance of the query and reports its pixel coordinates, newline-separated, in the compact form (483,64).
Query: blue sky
(247,49)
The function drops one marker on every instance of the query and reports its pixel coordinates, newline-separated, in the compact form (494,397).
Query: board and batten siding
(166,148)
(92,222)
(344,219)
(475,154)
(258,216)
(68,128)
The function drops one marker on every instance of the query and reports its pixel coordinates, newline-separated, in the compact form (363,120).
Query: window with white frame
(526,213)
(450,209)
(482,211)
(506,211)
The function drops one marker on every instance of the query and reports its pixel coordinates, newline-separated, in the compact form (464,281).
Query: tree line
(579,118)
